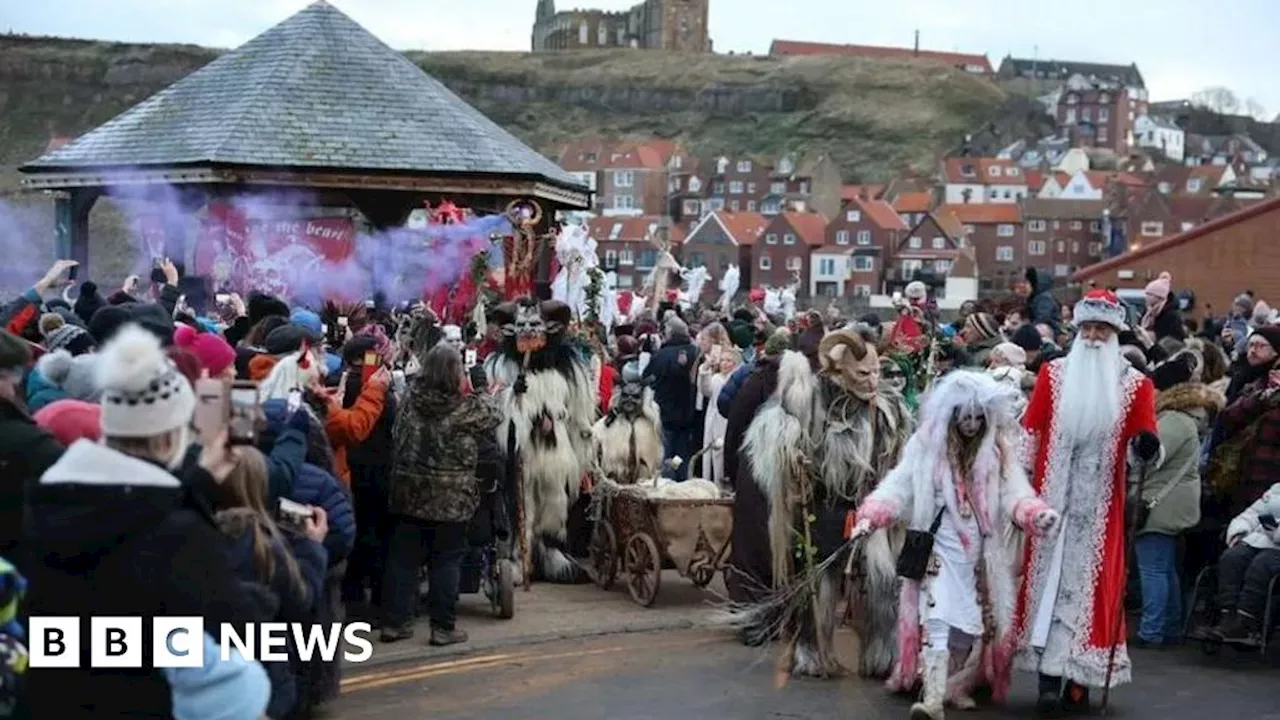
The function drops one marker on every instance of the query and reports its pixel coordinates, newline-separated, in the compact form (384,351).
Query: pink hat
(71,420)
(214,354)
(1161,286)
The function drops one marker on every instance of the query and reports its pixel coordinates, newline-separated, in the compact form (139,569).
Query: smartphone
(243,416)
(470,357)
(222,298)
(371,364)
(292,514)
(479,381)
(212,407)
(343,321)
(294,403)
(73,272)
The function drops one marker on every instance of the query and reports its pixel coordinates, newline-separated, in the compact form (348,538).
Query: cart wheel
(645,567)
(504,601)
(604,555)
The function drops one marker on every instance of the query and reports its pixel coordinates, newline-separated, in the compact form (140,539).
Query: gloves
(1044,521)
(1146,446)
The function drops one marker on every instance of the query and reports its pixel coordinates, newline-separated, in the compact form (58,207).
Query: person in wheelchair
(1246,569)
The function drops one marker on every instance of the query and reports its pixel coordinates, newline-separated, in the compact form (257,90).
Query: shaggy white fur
(613,443)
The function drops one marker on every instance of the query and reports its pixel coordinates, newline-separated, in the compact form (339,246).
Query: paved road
(704,675)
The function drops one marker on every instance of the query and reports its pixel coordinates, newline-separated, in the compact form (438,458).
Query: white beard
(1091,389)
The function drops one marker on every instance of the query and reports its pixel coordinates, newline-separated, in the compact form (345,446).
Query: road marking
(373,680)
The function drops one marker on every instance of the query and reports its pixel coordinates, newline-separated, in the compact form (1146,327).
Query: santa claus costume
(961,481)
(1086,411)
(817,448)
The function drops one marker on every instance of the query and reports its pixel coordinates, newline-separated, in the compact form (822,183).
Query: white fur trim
(88,463)
(1094,310)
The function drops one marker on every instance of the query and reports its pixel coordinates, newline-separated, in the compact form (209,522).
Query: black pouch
(913,561)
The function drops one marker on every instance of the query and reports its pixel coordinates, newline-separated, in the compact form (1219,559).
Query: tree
(1220,100)
(1255,110)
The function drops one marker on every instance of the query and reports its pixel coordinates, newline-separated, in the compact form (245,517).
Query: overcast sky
(1180,45)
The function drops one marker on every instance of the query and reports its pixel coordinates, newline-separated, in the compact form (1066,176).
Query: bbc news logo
(179,642)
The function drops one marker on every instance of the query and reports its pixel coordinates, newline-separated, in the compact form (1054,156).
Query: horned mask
(849,362)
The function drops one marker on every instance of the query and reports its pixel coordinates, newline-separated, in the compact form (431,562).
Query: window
(993,193)
(583,34)
(751,188)
(1095,226)
(1104,98)
(623,178)
(804,187)
(1056,224)
(906,218)
(602,34)
(862,263)
(1075,246)
(615,231)
(915,243)
(1036,247)
(861,291)
(1004,230)
(1102,134)
(853,216)
(744,166)
(765,262)
(717,188)
(751,206)
(623,202)
(864,237)
(1086,114)
(715,204)
(771,239)
(793,263)
(735,187)
(1095,249)
(610,258)
(994,171)
(625,282)
(842,237)
(1187,225)
(694,184)
(942,267)
(827,266)
(1076,225)
(627,257)
(648,258)
(778,188)
(1104,115)
(969,229)
(1036,226)
(733,206)
(696,260)
(1061,270)
(1194,184)
(1071,116)
(1072,99)
(691,207)
(967,171)
(1012,172)
(789,239)
(1004,253)
(1062,246)
(771,207)
(939,243)
(1152,228)
(1164,188)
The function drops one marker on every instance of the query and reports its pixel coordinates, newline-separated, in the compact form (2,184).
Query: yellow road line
(375,680)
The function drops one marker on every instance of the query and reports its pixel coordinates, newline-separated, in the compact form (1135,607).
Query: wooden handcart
(640,536)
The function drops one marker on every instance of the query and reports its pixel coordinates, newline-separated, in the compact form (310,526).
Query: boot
(936,665)
(1049,701)
(1075,698)
(1224,618)
(1241,629)
(441,638)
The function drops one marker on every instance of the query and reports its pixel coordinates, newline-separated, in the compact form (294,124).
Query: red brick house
(628,177)
(1099,115)
(926,251)
(782,253)
(722,239)
(864,234)
(628,245)
(995,232)
(1062,235)
(1151,215)
(1217,260)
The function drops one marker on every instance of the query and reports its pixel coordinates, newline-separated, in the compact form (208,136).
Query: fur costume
(548,403)
(963,584)
(816,453)
(628,440)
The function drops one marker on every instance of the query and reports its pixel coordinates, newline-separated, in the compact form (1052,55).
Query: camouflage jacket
(437,440)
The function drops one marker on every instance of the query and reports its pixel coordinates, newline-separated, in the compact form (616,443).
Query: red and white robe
(1068,612)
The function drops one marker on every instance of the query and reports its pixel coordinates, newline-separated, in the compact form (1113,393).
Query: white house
(1072,161)
(829,271)
(972,180)
(1160,134)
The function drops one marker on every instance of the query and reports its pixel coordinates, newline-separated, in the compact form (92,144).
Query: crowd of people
(868,437)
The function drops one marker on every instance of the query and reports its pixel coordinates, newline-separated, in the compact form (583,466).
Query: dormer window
(722,166)
(994,171)
(785,166)
(1165,188)
(744,166)
(1194,184)
(967,171)
(1072,99)
(1012,172)
(1103,99)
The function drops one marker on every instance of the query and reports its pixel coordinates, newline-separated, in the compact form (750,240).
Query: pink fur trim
(880,513)
(1025,512)
(998,667)
(907,668)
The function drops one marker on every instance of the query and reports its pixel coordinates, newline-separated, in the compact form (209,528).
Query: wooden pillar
(71,226)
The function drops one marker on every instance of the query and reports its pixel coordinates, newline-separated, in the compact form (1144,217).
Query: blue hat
(308,320)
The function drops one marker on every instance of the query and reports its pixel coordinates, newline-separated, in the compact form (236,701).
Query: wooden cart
(641,536)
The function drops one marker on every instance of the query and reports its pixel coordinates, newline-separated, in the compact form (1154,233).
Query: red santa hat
(1100,306)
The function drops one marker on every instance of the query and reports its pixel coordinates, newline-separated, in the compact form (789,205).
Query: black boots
(1056,699)
(1239,628)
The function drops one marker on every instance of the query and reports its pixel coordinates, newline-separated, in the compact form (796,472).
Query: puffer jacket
(314,486)
(437,440)
(348,427)
(1182,414)
(1247,528)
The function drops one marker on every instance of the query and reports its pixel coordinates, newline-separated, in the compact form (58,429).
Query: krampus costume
(628,440)
(817,448)
(548,407)
(960,480)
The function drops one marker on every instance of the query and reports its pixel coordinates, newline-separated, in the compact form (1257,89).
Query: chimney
(916,51)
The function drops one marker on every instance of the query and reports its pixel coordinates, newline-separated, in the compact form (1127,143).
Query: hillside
(872,117)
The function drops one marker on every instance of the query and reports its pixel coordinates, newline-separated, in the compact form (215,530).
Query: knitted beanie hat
(777,343)
(1161,286)
(214,353)
(143,394)
(73,339)
(71,420)
(983,324)
(49,322)
(74,375)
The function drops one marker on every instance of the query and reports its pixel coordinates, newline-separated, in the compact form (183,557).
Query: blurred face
(727,364)
(967,308)
(970,421)
(1153,300)
(1260,351)
(1094,334)
(1013,321)
(893,375)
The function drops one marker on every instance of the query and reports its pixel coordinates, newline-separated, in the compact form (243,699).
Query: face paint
(453,336)
(865,376)
(893,375)
(970,421)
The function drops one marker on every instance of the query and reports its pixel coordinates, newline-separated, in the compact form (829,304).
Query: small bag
(913,561)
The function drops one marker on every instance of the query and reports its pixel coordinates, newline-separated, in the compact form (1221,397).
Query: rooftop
(984,213)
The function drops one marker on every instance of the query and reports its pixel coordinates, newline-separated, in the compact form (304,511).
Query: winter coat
(710,385)
(1255,418)
(1041,306)
(1247,527)
(1169,322)
(730,389)
(1182,416)
(978,352)
(294,603)
(285,449)
(750,553)
(347,427)
(26,451)
(670,374)
(437,439)
(377,448)
(112,536)
(314,486)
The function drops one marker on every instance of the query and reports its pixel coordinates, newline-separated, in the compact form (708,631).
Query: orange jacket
(351,426)
(260,366)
